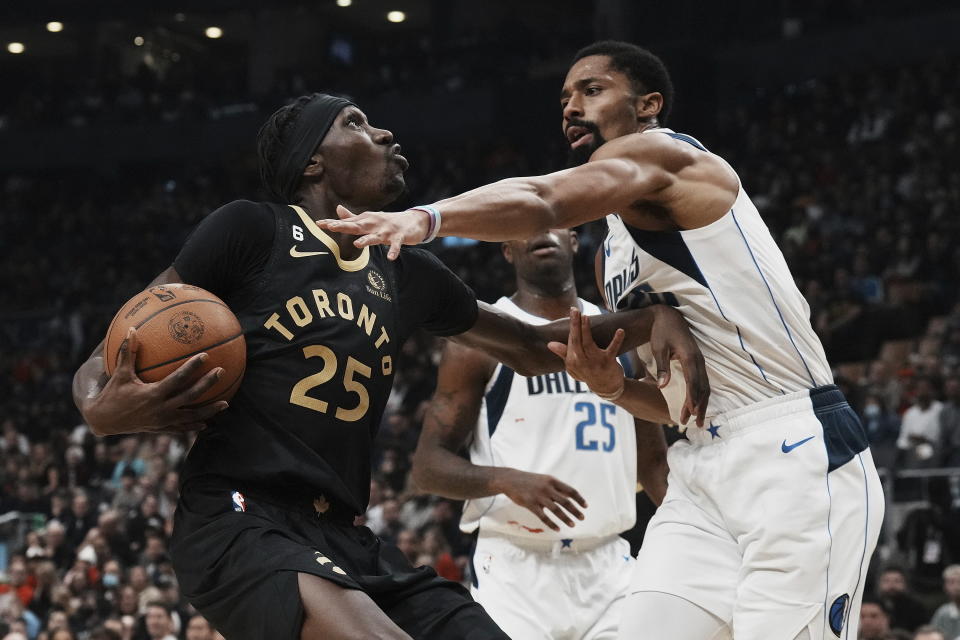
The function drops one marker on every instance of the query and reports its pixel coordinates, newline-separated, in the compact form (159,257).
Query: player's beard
(579,155)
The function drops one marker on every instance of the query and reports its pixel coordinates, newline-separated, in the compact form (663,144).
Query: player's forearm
(510,209)
(644,401)
(517,208)
(441,472)
(636,323)
(506,339)
(652,460)
(523,347)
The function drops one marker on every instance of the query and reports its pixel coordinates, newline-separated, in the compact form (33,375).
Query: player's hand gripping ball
(173,323)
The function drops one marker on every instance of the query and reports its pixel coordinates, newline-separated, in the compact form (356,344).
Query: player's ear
(649,105)
(314,168)
(507,251)
(574,241)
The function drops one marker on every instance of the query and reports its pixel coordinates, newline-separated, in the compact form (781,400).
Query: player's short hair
(646,71)
(270,139)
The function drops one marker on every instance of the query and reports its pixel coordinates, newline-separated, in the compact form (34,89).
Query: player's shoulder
(420,256)
(244,214)
(663,146)
(414,262)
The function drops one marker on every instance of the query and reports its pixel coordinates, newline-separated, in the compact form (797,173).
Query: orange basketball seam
(187,355)
(175,304)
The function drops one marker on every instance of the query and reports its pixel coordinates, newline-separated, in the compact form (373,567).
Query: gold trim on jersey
(347,265)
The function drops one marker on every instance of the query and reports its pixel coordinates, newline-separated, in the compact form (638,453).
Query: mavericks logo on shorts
(239,502)
(838,611)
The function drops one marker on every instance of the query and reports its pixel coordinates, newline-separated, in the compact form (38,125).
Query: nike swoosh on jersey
(304,254)
(787,448)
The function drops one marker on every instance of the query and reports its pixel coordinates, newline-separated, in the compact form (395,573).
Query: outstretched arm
(125,404)
(447,425)
(619,174)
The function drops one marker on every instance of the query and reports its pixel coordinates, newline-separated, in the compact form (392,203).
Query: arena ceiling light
(396,16)
(54,26)
(138,41)
(213,32)
(15,47)
(344,3)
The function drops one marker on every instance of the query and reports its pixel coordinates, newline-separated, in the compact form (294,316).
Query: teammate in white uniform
(532,440)
(774,506)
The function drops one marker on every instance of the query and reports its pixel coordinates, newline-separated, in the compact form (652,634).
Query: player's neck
(648,126)
(551,305)
(320,205)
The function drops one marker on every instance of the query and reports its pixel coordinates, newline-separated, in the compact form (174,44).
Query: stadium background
(124,127)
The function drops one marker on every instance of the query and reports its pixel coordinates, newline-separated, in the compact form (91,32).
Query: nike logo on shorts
(304,254)
(787,448)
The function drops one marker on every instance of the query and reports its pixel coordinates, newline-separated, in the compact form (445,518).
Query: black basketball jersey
(323,335)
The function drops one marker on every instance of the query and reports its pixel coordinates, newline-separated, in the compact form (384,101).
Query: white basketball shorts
(553,590)
(769,522)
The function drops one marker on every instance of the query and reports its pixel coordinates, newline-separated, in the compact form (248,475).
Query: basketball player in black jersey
(264,543)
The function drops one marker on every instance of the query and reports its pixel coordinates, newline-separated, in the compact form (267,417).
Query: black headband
(312,125)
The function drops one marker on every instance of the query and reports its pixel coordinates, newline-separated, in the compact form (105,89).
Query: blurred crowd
(852,174)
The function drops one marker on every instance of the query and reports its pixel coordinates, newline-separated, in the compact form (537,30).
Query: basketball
(173,323)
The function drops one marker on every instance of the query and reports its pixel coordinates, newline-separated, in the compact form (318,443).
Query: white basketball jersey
(553,424)
(731,282)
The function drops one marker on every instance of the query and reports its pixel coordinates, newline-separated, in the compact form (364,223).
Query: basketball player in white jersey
(774,506)
(551,479)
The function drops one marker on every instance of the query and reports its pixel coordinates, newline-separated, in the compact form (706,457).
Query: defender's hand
(127,404)
(381,227)
(587,362)
(670,339)
(539,493)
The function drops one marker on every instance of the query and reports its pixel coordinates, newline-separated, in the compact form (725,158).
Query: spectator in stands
(903,608)
(16,616)
(128,495)
(80,518)
(947,617)
(409,543)
(159,622)
(12,441)
(129,458)
(390,524)
(883,429)
(199,629)
(930,536)
(950,424)
(927,632)
(58,547)
(17,582)
(874,620)
(920,429)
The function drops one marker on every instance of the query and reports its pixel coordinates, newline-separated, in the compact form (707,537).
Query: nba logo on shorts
(239,502)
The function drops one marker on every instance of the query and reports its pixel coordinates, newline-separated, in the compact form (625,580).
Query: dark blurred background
(122,125)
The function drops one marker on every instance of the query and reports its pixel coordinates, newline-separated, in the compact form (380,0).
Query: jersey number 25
(590,419)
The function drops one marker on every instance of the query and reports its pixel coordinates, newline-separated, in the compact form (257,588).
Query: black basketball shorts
(237,557)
